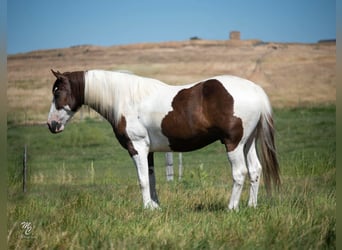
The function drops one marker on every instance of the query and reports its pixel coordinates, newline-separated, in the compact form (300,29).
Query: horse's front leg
(152,178)
(141,163)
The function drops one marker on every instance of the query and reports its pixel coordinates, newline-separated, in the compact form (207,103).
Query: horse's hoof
(152,206)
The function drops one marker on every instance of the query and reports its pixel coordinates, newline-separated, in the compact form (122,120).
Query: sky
(48,24)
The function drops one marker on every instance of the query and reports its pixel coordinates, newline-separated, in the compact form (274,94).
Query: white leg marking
(141,163)
(254,169)
(239,171)
(140,140)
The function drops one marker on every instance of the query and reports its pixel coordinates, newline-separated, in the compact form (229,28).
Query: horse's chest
(152,124)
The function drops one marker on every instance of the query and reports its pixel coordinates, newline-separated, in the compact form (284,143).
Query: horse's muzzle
(55,127)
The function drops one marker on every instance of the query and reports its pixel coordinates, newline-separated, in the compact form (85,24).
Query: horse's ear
(57,74)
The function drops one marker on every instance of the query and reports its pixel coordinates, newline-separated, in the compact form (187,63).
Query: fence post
(92,172)
(180,166)
(24,168)
(169,166)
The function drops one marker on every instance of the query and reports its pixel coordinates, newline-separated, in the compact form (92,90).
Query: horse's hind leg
(239,171)
(152,178)
(254,169)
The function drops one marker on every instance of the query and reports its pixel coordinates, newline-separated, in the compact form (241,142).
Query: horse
(150,116)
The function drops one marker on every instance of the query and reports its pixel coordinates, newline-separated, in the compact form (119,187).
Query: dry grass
(292,74)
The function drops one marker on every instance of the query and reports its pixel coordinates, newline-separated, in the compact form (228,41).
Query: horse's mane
(113,93)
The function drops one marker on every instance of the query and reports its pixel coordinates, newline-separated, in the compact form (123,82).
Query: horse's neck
(110,93)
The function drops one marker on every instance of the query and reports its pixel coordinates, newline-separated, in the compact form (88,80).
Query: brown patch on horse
(201,115)
(121,134)
(68,89)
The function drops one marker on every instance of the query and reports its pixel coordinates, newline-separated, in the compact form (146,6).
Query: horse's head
(65,103)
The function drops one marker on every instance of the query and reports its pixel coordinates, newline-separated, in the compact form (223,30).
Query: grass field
(83,192)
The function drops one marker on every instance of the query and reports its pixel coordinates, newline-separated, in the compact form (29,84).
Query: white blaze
(61,116)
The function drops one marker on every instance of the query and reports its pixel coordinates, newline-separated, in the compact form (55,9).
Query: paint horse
(150,116)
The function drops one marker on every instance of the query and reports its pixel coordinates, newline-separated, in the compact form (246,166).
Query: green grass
(83,192)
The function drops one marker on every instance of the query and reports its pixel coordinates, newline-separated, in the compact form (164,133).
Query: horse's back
(238,87)
(246,94)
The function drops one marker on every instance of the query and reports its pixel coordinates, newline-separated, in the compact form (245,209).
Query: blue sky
(43,24)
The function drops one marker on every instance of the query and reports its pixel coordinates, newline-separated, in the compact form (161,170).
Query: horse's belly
(161,143)
(194,142)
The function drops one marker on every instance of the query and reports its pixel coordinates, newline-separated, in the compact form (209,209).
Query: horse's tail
(271,171)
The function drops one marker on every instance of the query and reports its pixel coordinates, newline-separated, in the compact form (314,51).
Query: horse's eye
(56,93)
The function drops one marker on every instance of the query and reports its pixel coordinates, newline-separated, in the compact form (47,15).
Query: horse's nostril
(49,126)
(54,126)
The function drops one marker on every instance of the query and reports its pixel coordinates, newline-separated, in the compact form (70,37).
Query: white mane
(113,93)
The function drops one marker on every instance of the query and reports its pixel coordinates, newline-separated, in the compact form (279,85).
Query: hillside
(291,74)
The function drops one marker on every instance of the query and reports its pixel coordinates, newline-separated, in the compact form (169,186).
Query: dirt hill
(291,74)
